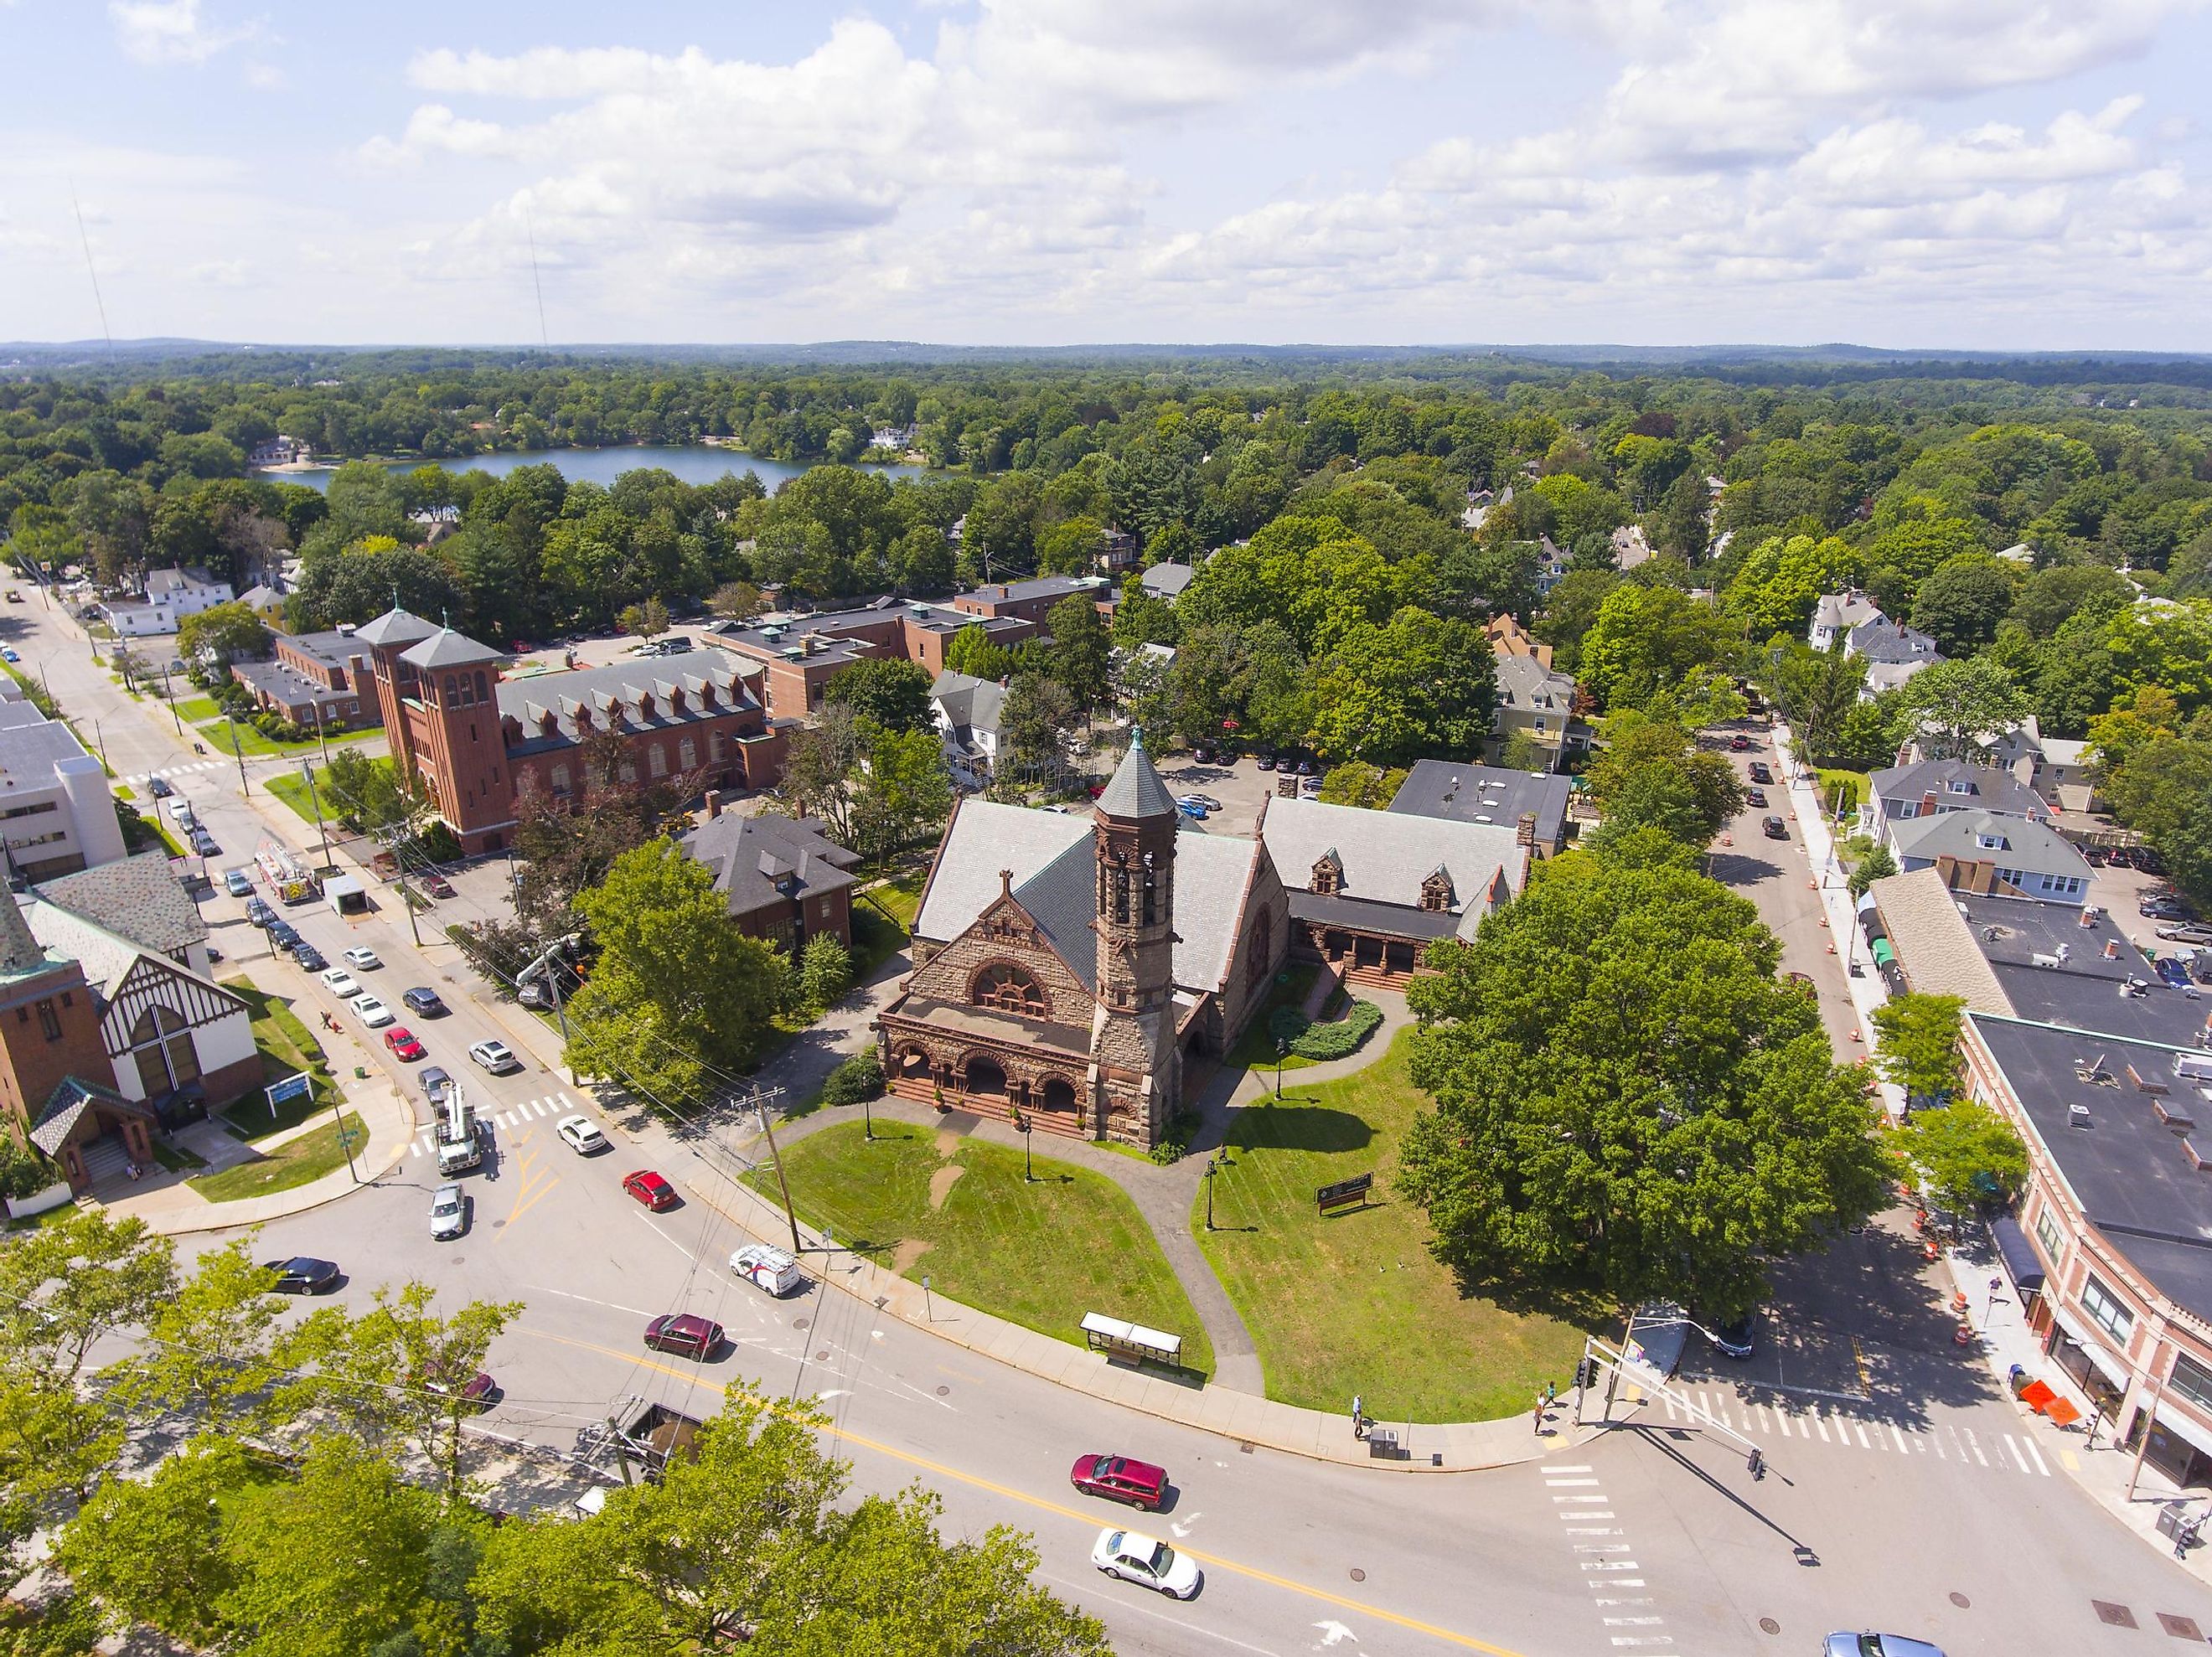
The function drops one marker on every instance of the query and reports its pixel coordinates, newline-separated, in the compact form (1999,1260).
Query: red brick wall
(31,1066)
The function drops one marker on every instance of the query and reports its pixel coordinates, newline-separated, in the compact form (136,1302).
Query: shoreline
(911,460)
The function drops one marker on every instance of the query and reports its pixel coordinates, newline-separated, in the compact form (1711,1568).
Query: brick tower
(1135,1066)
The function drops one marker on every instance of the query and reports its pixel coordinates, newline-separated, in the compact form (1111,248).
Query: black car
(159,787)
(174,1108)
(1738,1337)
(303,1274)
(309,957)
(283,935)
(424,1001)
(259,913)
(1754,796)
(1774,829)
(1760,773)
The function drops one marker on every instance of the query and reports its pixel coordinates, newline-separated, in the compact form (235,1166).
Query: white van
(179,810)
(767,1268)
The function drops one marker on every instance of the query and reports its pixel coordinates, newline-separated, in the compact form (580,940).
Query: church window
(1152,892)
(50,1021)
(1327,875)
(1007,988)
(1263,933)
(483,687)
(656,760)
(687,753)
(452,691)
(1437,891)
(1118,878)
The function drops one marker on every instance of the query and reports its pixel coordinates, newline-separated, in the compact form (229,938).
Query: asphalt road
(1898,1494)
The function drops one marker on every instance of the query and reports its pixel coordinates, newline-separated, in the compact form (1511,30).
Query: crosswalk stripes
(176,771)
(553,1105)
(1604,1571)
(2000,1451)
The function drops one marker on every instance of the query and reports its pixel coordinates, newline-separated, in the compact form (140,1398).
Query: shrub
(1175,1135)
(825,972)
(1339,1039)
(861,1076)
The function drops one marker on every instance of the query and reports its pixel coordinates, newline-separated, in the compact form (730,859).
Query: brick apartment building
(796,658)
(477,741)
(325,672)
(1030,601)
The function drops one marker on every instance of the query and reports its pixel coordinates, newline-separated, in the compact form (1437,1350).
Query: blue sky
(1982,174)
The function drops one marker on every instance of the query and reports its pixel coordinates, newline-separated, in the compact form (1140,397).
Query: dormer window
(1959,785)
(1437,892)
(1990,842)
(1327,875)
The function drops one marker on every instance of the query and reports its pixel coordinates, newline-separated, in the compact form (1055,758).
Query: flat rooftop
(1486,793)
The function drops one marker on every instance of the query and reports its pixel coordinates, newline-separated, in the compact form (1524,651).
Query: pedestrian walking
(1551,1394)
(1540,1413)
(1358,1416)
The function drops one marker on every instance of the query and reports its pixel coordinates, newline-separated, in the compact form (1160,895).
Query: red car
(402,1041)
(685,1333)
(1118,1479)
(649,1188)
(1740,743)
(437,886)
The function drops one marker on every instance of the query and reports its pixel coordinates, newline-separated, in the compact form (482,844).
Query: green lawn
(194,710)
(1040,1255)
(287,1048)
(902,896)
(1256,1049)
(875,940)
(1355,1303)
(253,743)
(295,1163)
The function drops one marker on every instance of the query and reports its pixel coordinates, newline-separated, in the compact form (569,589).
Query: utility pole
(171,701)
(622,1452)
(237,753)
(783,1184)
(308,775)
(345,1135)
(406,897)
(317,704)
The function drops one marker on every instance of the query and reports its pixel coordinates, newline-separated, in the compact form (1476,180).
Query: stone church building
(1069,966)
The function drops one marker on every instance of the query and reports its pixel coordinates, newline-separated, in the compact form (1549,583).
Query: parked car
(2171,971)
(1738,1337)
(496,1057)
(1755,797)
(159,787)
(283,935)
(1878,1645)
(424,1001)
(449,1213)
(649,1188)
(343,984)
(179,811)
(203,844)
(303,1274)
(1740,743)
(1192,810)
(436,1083)
(2187,932)
(683,1333)
(581,1134)
(363,960)
(237,882)
(1760,773)
(479,1389)
(1146,1561)
(1207,800)
(767,1268)
(1119,1478)
(309,957)
(437,886)
(2160,908)
(403,1046)
(372,1011)
(1774,829)
(1266,761)
(259,913)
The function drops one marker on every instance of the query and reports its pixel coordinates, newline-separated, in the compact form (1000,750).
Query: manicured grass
(194,710)
(287,1048)
(875,940)
(1355,1302)
(294,1164)
(252,741)
(292,788)
(1256,1050)
(1040,1255)
(902,896)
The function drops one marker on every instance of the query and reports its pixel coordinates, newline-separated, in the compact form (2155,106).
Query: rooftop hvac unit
(2077,1116)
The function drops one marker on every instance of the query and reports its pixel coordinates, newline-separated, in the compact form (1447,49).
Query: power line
(90,271)
(531,230)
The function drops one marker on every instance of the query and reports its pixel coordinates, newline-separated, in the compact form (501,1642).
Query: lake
(695,462)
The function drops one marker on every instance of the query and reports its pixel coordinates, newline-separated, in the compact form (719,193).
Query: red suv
(683,1333)
(1117,1478)
(649,1188)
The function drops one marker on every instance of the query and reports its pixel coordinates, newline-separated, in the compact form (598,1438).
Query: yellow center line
(526,1195)
(1342,1602)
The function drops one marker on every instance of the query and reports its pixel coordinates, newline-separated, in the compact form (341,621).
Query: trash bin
(2171,1518)
(1383,1445)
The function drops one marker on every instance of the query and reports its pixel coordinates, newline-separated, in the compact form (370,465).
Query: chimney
(1928,804)
(2111,948)
(1524,833)
(713,803)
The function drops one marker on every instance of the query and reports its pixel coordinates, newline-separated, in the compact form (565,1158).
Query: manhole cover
(496,1224)
(458,1260)
(2181,1628)
(1962,1602)
(1358,1574)
(822,1356)
(799,1323)
(2115,1616)
(1768,1625)
(942,1390)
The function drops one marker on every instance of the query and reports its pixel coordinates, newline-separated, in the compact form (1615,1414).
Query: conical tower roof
(20,953)
(1136,790)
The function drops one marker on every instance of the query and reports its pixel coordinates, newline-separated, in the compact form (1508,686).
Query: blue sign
(292,1087)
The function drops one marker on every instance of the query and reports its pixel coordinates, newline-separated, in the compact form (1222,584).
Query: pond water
(695,462)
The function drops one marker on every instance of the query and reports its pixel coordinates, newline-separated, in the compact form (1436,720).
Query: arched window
(483,687)
(656,760)
(1007,988)
(161,1043)
(687,753)
(452,692)
(559,779)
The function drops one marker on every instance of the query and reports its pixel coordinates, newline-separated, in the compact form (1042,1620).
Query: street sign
(298,1086)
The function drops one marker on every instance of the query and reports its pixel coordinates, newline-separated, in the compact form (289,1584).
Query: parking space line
(1860,1429)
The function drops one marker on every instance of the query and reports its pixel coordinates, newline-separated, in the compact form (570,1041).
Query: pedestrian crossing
(1826,1422)
(552,1107)
(142,777)
(1620,1594)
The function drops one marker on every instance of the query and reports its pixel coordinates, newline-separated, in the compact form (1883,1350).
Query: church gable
(1004,961)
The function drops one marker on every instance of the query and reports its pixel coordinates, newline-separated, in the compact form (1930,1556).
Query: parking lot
(1239,786)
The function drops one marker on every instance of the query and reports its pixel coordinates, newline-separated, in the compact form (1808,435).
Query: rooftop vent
(2077,1116)
(2093,1071)
(2197,1159)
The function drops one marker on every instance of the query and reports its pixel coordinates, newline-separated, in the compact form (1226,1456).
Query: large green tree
(1955,710)
(889,694)
(1625,1095)
(1082,652)
(1646,639)
(1417,687)
(1652,773)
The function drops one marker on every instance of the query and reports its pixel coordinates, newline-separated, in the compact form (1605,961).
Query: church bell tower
(1136,1067)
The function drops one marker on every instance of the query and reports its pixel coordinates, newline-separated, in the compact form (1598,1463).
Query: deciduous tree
(1919,1043)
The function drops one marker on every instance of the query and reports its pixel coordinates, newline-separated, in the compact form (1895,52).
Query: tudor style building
(477,743)
(1068,970)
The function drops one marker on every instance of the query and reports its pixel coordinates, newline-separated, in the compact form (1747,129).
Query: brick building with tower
(1071,968)
(478,742)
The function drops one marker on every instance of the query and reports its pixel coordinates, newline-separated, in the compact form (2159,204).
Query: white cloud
(169,31)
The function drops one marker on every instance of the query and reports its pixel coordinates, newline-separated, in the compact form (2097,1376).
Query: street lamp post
(237,753)
(1213,1167)
(928,1306)
(1282,1051)
(1021,1125)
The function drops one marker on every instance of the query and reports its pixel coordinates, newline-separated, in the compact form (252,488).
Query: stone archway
(1057,1092)
(983,1078)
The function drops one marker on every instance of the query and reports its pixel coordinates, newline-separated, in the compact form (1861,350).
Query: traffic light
(1586,1372)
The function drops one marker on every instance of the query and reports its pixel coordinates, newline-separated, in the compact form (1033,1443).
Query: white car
(342,983)
(495,1056)
(1144,1559)
(372,1011)
(767,1268)
(362,960)
(449,1213)
(581,1134)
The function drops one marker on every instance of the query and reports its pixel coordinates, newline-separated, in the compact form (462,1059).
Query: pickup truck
(635,1430)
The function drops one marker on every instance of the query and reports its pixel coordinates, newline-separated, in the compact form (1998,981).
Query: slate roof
(395,627)
(1890,643)
(1488,794)
(969,702)
(21,956)
(1135,790)
(1166,580)
(1062,897)
(66,1105)
(2031,846)
(526,701)
(1525,683)
(1988,787)
(446,648)
(1386,855)
(749,855)
(136,898)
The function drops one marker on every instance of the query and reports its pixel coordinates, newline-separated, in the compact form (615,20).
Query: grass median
(920,1200)
(1355,1302)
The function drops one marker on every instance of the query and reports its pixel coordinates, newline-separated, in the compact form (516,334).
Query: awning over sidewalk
(2020,1264)
(2194,1434)
(2103,1361)
(1884,954)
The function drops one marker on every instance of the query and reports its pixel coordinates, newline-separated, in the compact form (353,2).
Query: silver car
(449,1213)
(1879,1645)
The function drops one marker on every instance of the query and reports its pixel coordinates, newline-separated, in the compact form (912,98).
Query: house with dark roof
(139,899)
(785,881)
(1370,890)
(1985,851)
(1067,966)
(1835,615)
(1929,788)
(1533,803)
(478,742)
(966,710)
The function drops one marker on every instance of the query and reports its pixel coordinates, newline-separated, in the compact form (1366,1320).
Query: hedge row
(1337,1039)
